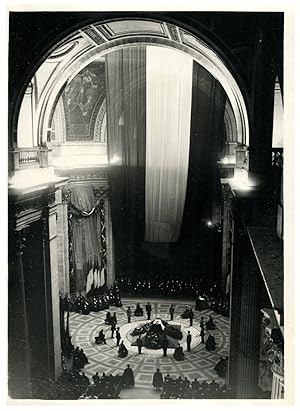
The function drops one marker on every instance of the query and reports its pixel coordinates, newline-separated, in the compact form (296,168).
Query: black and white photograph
(146,204)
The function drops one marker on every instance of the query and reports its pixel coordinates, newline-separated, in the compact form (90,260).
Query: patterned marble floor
(198,363)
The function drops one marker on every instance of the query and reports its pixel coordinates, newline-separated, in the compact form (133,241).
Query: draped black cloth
(126,142)
(207,129)
(86,235)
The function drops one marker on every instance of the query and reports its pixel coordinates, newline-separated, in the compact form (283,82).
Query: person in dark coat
(178,353)
(202,323)
(139,344)
(101,338)
(129,314)
(165,345)
(138,312)
(157,381)
(118,336)
(122,352)
(113,329)
(128,377)
(96,378)
(114,319)
(188,341)
(171,311)
(202,334)
(191,316)
(195,385)
(210,325)
(108,318)
(148,310)
(210,343)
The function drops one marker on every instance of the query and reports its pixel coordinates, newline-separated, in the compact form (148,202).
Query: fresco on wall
(83,97)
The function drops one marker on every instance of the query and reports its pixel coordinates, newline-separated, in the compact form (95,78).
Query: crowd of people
(183,388)
(85,305)
(206,293)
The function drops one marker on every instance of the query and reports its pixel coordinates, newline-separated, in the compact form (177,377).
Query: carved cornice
(227,192)
(21,239)
(66,194)
(97,175)
(101,193)
(38,202)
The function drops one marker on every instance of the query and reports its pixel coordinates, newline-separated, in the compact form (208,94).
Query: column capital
(21,237)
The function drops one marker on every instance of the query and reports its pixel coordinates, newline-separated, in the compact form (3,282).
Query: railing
(29,157)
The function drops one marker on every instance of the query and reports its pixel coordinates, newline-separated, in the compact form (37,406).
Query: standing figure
(139,342)
(171,311)
(118,336)
(165,345)
(114,319)
(202,334)
(191,316)
(202,324)
(128,377)
(157,381)
(113,329)
(129,314)
(148,310)
(108,318)
(188,341)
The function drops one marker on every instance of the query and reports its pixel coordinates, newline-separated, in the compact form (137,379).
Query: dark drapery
(86,238)
(126,137)
(207,124)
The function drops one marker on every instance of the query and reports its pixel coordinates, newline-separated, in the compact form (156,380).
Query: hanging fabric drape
(86,239)
(126,135)
(207,127)
(169,91)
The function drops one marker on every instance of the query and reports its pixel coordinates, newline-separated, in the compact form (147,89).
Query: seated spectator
(96,378)
(210,325)
(195,385)
(186,313)
(178,353)
(138,312)
(101,338)
(122,352)
(210,343)
(221,367)
(108,318)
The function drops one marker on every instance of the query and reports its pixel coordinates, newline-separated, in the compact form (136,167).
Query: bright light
(24,179)
(240,184)
(115,159)
(225,160)
(209,223)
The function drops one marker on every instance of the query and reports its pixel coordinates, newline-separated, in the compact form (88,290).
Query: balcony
(29,157)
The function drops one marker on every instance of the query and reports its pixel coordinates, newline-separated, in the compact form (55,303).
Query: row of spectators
(182,388)
(207,294)
(85,305)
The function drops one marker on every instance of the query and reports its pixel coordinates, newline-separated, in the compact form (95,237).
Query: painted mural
(83,97)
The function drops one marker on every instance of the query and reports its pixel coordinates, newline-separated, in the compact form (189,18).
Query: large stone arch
(102,40)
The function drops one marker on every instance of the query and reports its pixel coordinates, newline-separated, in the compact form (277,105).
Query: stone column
(244,322)
(53,245)
(109,245)
(62,243)
(278,380)
(18,341)
(226,240)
